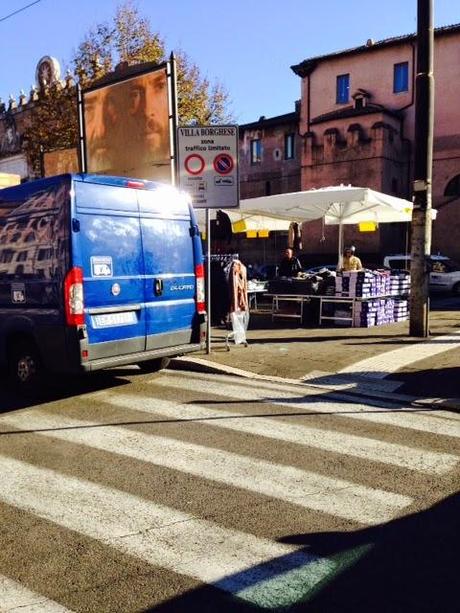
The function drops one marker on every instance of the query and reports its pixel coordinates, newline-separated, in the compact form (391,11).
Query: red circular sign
(194,164)
(223,163)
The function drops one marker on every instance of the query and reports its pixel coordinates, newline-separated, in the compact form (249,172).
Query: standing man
(350,260)
(289,265)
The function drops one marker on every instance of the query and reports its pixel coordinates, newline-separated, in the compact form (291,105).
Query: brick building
(15,117)
(357,124)
(270,151)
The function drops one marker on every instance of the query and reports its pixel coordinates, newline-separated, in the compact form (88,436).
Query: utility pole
(423,164)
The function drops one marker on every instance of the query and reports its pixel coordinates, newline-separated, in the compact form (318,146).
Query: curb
(204,366)
(200,365)
(447,404)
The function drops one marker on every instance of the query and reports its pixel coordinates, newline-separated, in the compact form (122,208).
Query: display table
(282,307)
(252,297)
(299,300)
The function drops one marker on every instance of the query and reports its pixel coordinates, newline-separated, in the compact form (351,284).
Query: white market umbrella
(338,205)
(243,222)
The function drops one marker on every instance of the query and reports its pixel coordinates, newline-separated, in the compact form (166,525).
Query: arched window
(453,187)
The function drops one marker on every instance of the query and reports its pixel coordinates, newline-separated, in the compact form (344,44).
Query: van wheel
(24,365)
(456,289)
(154,365)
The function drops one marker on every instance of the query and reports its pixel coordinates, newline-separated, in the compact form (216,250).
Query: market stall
(338,205)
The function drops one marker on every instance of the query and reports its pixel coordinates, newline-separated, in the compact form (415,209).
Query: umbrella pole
(340,253)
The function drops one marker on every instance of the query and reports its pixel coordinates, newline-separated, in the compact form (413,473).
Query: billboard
(60,161)
(127,127)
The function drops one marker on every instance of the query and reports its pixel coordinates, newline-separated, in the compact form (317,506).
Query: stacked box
(374,313)
(368,313)
(401,310)
(361,284)
(367,283)
(381,288)
(400,283)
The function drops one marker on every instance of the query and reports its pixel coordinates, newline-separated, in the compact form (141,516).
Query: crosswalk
(198,480)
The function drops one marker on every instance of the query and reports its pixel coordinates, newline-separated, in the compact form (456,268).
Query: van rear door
(107,246)
(169,285)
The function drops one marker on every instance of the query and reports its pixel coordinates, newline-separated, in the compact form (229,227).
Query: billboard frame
(122,74)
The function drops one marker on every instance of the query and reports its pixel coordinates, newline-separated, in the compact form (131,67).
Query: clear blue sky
(248,45)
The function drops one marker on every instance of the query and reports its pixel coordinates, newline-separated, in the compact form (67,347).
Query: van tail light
(73,297)
(200,295)
(135,184)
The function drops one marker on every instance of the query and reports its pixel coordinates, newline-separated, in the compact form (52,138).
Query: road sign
(208,165)
(223,163)
(194,164)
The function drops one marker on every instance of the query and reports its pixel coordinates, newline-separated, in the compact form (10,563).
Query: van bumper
(135,358)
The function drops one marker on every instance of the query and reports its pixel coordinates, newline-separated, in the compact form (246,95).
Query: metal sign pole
(81,130)
(208,280)
(173,117)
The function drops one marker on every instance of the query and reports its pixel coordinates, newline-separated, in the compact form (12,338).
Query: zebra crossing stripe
(16,597)
(380,366)
(336,497)
(293,586)
(407,417)
(234,561)
(338,442)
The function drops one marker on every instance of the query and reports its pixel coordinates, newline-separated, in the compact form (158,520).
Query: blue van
(95,272)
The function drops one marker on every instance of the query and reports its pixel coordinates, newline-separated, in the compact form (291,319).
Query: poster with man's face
(127,128)
(60,161)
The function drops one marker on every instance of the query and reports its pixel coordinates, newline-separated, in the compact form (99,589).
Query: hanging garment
(220,295)
(239,305)
(295,236)
(238,283)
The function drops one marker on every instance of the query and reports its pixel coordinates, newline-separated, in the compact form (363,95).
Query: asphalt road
(193,492)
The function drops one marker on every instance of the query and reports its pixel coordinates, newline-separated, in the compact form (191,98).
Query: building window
(343,88)
(6,256)
(256,151)
(453,187)
(401,77)
(289,140)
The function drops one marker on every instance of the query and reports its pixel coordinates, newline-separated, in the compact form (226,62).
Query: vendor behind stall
(289,265)
(350,260)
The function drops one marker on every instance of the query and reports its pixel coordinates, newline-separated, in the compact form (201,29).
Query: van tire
(154,365)
(456,289)
(24,365)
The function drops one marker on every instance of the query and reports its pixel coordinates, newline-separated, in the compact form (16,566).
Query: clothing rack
(225,258)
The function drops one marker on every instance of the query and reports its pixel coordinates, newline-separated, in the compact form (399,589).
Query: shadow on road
(410,565)
(441,382)
(61,387)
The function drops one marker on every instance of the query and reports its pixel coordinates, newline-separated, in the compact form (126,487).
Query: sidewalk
(334,356)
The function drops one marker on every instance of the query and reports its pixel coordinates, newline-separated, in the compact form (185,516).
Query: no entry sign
(194,164)
(208,165)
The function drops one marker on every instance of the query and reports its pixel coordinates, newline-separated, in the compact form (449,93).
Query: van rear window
(163,200)
(107,197)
